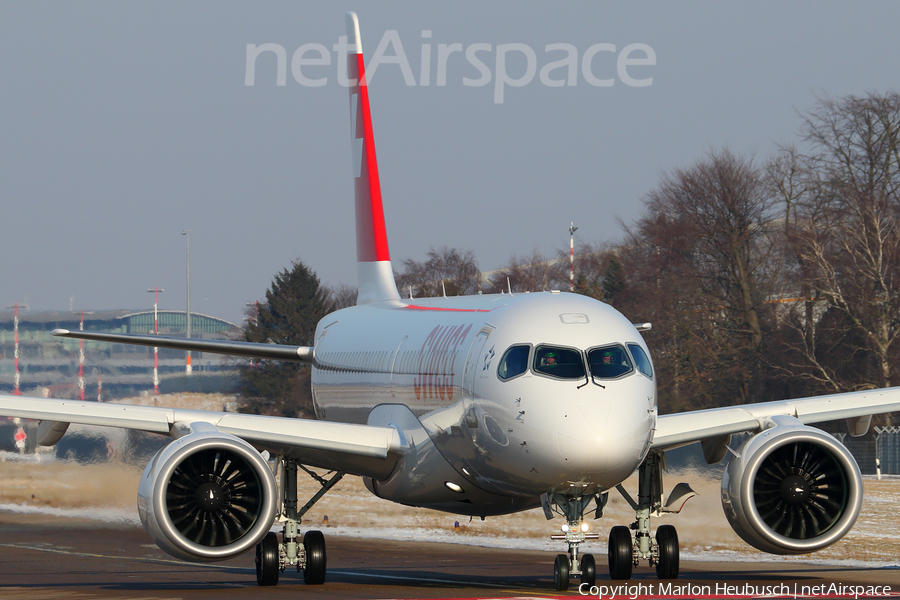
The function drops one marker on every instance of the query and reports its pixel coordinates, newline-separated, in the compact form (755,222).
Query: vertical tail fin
(374,270)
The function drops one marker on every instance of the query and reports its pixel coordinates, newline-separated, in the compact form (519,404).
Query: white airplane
(480,405)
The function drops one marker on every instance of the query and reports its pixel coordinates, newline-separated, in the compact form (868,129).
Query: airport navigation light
(255,305)
(572,230)
(155,291)
(187,233)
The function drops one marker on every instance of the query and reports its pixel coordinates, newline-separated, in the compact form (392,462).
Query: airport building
(48,364)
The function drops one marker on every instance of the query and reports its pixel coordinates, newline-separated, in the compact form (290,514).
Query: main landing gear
(308,556)
(624,551)
(662,550)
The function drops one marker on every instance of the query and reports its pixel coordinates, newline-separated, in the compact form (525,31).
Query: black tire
(620,553)
(561,572)
(668,564)
(267,567)
(588,570)
(314,546)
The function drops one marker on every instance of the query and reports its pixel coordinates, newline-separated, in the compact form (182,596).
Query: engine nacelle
(792,489)
(207,496)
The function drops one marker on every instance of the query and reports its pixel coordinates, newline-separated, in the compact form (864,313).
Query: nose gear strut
(575,532)
(625,551)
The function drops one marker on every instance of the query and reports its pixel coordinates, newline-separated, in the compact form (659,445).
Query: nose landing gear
(575,531)
(625,551)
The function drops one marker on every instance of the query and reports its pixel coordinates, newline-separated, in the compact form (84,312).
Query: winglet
(374,270)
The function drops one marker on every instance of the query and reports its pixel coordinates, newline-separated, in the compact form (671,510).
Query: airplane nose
(601,444)
(578,437)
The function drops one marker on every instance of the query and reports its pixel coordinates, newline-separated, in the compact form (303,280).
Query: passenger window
(564,363)
(641,360)
(609,362)
(514,362)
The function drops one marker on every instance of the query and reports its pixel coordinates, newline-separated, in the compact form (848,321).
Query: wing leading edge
(684,428)
(304,354)
(358,449)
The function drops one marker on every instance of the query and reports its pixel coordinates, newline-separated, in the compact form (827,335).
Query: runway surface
(43,557)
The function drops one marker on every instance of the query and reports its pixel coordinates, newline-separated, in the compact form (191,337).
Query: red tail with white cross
(375,274)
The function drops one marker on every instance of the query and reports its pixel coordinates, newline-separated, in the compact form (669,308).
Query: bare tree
(791,178)
(725,210)
(535,273)
(447,270)
(341,296)
(847,225)
(698,262)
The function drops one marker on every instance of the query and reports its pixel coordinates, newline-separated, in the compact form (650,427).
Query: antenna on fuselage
(443,287)
(509,286)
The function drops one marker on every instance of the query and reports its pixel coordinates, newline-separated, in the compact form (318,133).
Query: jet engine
(207,496)
(791,489)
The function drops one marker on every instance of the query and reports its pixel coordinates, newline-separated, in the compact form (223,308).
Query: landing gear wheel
(314,546)
(667,540)
(561,572)
(267,567)
(588,570)
(620,553)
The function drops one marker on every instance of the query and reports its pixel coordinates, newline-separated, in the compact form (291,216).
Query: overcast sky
(124,123)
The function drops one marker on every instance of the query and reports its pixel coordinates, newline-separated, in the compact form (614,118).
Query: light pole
(253,321)
(16,391)
(156,292)
(187,233)
(81,361)
(572,230)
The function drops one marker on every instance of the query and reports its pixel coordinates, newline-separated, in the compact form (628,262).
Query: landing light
(453,487)
(585,527)
(565,528)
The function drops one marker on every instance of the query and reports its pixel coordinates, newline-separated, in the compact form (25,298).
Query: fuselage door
(476,363)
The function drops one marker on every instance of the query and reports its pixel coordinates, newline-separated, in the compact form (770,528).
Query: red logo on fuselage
(436,367)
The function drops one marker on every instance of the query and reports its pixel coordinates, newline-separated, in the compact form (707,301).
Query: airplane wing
(857,407)
(269,351)
(358,449)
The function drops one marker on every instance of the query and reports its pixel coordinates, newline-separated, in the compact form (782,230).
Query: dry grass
(66,485)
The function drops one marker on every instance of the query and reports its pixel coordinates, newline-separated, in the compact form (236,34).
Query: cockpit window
(609,362)
(641,360)
(514,362)
(564,363)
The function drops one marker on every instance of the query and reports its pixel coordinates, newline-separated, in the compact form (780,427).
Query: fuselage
(516,392)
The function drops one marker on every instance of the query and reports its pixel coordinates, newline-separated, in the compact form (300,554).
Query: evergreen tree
(588,286)
(613,281)
(294,304)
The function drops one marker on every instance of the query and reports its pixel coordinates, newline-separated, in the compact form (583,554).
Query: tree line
(763,279)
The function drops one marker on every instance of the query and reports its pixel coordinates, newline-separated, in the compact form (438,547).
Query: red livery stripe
(371,233)
(440,309)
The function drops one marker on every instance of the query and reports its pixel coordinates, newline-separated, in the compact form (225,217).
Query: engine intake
(207,496)
(792,489)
